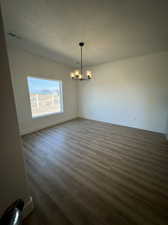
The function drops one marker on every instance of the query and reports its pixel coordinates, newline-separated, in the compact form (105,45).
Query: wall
(12,174)
(131,92)
(167,130)
(24,64)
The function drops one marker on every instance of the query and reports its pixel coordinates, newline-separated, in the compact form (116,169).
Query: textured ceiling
(112,29)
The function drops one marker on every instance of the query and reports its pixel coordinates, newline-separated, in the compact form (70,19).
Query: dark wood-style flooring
(90,173)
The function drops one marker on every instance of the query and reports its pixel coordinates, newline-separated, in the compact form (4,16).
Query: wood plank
(88,172)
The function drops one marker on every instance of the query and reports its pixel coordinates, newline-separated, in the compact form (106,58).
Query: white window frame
(61,97)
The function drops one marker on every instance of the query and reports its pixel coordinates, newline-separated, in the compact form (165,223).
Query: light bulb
(77,72)
(72,75)
(80,76)
(88,72)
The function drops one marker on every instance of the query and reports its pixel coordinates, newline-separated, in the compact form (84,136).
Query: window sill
(46,115)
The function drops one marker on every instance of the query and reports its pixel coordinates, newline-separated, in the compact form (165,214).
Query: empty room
(84,112)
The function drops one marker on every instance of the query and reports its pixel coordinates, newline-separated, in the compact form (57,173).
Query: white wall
(167,130)
(131,92)
(12,174)
(24,64)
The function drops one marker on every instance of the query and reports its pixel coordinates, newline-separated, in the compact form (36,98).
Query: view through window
(45,96)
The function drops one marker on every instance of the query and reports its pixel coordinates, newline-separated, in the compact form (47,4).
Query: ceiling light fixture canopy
(79,74)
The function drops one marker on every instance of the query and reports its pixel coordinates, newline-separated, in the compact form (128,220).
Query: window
(45,96)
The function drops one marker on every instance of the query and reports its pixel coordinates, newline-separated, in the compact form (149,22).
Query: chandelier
(80,74)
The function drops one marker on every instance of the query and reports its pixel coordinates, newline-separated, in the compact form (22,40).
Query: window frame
(61,97)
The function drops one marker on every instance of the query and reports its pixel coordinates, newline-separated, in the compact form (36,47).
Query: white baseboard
(28,207)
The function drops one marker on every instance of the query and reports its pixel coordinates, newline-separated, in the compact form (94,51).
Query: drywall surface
(24,64)
(167,129)
(13,182)
(132,92)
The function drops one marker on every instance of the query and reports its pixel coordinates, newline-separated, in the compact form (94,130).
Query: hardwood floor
(90,173)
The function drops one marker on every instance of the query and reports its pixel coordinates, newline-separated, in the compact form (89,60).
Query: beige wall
(12,174)
(24,64)
(131,92)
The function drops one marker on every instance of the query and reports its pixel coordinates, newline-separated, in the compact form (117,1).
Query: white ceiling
(112,29)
